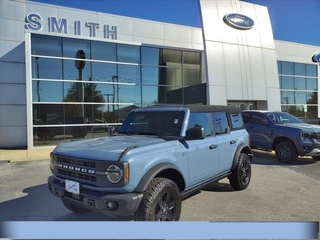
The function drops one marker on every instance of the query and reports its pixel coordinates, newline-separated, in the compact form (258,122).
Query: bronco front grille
(77,175)
(77,169)
(76,162)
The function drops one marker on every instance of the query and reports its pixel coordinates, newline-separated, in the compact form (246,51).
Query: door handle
(233,141)
(212,146)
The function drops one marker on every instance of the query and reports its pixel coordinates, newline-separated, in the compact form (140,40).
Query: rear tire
(286,152)
(241,175)
(74,207)
(161,202)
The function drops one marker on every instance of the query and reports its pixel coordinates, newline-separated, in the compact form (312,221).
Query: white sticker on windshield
(176,121)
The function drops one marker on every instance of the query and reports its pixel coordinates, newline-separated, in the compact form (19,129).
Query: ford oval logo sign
(316,58)
(238,21)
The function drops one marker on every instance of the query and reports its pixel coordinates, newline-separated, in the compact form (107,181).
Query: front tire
(74,207)
(241,175)
(161,202)
(286,152)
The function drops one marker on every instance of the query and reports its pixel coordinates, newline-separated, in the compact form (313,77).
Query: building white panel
(228,34)
(125,37)
(177,44)
(197,46)
(197,36)
(15,137)
(76,14)
(290,49)
(13,115)
(264,26)
(124,24)
(12,51)
(177,33)
(250,37)
(210,14)
(215,61)
(11,72)
(271,68)
(11,30)
(257,73)
(151,41)
(232,66)
(217,95)
(12,9)
(148,29)
(13,94)
(273,95)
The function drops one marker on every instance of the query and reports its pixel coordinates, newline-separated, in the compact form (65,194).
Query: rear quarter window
(220,122)
(236,121)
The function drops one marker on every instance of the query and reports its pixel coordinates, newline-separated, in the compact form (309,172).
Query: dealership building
(68,73)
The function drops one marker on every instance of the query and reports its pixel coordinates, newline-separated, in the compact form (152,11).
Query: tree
(90,94)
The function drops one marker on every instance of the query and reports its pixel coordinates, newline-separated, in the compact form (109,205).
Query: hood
(107,148)
(303,126)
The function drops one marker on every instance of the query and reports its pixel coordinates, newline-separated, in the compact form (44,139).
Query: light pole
(79,64)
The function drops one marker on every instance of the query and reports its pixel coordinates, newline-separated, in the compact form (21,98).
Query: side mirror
(264,122)
(195,133)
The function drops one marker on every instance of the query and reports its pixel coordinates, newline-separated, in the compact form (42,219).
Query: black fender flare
(237,154)
(152,172)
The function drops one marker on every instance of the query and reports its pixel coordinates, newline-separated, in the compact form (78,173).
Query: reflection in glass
(169,56)
(128,53)
(45,91)
(300,69)
(287,97)
(311,70)
(150,56)
(300,83)
(286,82)
(192,76)
(103,51)
(287,68)
(46,45)
(300,97)
(193,58)
(46,68)
(150,75)
(312,84)
(171,76)
(71,47)
(103,72)
(128,74)
(70,72)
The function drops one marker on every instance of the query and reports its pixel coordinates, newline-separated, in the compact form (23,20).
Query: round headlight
(114,174)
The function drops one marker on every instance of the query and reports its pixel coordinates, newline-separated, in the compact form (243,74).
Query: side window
(236,121)
(257,118)
(200,120)
(220,122)
(246,117)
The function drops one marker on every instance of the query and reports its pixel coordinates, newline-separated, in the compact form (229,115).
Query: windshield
(153,123)
(282,118)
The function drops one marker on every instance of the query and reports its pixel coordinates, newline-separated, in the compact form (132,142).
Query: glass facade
(299,88)
(80,86)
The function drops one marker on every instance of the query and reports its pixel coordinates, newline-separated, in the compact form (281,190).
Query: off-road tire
(241,174)
(74,207)
(161,202)
(286,152)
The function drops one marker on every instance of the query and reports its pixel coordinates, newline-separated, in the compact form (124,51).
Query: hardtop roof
(199,108)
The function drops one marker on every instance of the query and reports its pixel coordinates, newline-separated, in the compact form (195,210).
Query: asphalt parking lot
(277,192)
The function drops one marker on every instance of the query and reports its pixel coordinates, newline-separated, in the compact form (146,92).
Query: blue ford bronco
(160,156)
(283,133)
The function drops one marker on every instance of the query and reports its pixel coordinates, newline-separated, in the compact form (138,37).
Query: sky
(291,20)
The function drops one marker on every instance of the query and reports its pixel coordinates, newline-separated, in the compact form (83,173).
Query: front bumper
(126,204)
(314,152)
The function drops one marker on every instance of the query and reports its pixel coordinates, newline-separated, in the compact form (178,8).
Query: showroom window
(299,88)
(81,86)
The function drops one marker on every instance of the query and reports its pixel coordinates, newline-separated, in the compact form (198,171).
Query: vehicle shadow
(218,187)
(39,204)
(269,158)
